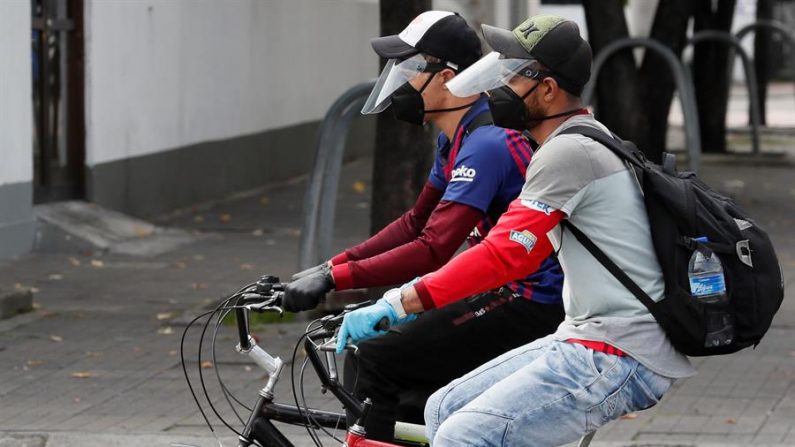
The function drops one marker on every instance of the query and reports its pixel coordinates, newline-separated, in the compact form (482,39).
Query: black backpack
(680,208)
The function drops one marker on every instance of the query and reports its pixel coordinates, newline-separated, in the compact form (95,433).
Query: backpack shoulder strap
(611,266)
(628,152)
(623,149)
(450,152)
(483,119)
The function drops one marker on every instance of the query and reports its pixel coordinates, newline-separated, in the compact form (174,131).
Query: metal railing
(771,25)
(684,85)
(321,192)
(750,74)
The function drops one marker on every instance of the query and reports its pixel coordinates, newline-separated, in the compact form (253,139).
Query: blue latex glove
(360,324)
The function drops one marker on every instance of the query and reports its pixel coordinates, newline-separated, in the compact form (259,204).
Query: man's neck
(545,128)
(448,122)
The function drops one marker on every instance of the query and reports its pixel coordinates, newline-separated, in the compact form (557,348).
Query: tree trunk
(618,111)
(764,11)
(656,77)
(403,152)
(711,74)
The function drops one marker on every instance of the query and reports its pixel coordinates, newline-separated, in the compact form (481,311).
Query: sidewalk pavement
(98,362)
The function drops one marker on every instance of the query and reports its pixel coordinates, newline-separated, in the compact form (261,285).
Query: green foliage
(262,319)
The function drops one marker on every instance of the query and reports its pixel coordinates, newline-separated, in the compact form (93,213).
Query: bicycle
(265,295)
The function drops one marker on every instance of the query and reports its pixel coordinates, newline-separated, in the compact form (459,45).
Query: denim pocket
(611,408)
(601,363)
(617,378)
(640,390)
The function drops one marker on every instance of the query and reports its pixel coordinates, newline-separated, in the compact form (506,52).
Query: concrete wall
(16,159)
(191,99)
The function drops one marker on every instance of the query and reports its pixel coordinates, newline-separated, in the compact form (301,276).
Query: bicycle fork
(356,436)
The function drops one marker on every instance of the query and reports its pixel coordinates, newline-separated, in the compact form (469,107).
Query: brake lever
(268,305)
(331,346)
(263,307)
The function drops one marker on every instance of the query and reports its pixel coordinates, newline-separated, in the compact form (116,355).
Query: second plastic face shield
(395,73)
(490,72)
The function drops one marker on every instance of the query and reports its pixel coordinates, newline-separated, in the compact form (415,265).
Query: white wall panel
(166,74)
(16,156)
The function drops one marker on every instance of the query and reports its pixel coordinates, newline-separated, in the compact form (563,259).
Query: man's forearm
(447,228)
(411,301)
(514,248)
(401,231)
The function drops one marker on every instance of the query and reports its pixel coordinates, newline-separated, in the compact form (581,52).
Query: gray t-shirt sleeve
(558,172)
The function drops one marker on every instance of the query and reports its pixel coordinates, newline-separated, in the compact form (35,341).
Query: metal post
(331,179)
(45,134)
(770,25)
(325,173)
(684,85)
(585,441)
(750,75)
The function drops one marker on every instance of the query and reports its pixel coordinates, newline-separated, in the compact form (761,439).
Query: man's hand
(310,271)
(305,293)
(360,324)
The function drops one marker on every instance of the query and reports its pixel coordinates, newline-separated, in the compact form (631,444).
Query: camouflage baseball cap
(553,41)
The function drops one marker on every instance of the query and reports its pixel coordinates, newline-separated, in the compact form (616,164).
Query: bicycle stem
(272,365)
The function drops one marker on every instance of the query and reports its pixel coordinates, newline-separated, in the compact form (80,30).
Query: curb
(82,439)
(15,302)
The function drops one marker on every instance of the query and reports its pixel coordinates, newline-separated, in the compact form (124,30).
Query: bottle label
(705,285)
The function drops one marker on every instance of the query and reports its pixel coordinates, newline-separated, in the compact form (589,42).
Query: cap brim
(504,42)
(392,47)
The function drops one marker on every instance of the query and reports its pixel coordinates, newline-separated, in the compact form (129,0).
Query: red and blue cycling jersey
(477,173)
(485,169)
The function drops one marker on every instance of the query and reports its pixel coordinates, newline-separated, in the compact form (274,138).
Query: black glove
(308,271)
(305,293)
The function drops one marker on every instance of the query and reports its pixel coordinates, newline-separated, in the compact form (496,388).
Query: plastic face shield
(490,72)
(396,73)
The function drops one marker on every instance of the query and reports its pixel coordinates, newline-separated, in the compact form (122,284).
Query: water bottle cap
(701,239)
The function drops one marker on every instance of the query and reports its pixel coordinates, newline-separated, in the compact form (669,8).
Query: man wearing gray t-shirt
(609,357)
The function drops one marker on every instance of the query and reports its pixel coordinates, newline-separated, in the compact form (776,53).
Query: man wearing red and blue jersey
(479,169)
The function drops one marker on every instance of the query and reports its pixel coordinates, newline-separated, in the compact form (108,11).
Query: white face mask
(492,71)
(395,74)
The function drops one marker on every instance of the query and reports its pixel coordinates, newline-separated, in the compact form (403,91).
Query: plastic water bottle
(708,286)
(705,272)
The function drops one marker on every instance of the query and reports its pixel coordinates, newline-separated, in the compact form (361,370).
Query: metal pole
(771,25)
(45,139)
(585,441)
(750,75)
(684,86)
(331,179)
(328,134)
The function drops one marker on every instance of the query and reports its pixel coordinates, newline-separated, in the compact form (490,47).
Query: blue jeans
(544,393)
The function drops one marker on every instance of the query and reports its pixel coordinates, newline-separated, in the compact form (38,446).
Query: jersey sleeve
(446,230)
(401,231)
(482,166)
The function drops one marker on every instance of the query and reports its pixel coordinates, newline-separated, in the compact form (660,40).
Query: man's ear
(446,75)
(551,89)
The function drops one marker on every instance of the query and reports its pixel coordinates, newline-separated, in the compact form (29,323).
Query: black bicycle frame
(260,426)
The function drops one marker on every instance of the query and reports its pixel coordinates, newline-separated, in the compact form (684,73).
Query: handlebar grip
(382,325)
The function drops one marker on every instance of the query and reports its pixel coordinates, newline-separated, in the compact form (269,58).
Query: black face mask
(408,105)
(508,109)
